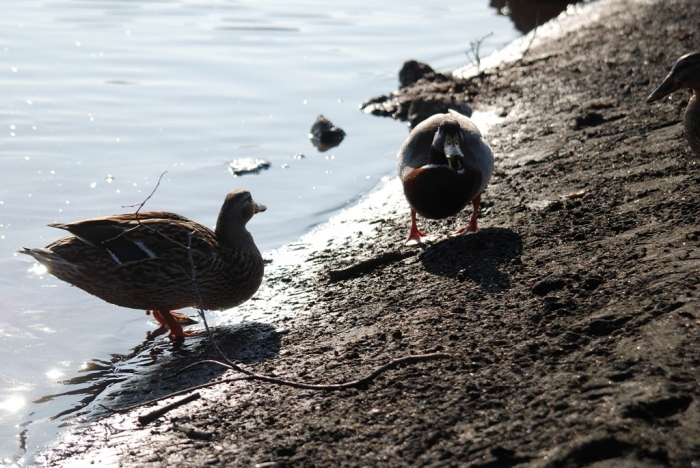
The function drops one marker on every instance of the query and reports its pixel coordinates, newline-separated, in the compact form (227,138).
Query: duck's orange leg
(182,318)
(472,227)
(165,318)
(414,234)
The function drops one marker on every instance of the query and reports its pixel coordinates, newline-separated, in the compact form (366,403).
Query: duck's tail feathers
(44,256)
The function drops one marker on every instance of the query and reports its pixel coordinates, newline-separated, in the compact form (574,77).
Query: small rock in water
(242,166)
(324,135)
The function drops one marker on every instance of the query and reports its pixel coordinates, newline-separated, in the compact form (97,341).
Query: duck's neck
(691,122)
(437,155)
(234,237)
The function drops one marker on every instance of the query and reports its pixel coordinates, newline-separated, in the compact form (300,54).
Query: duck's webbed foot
(169,319)
(414,234)
(473,226)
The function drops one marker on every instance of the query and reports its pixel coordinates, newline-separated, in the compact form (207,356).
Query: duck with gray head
(684,74)
(142,261)
(443,165)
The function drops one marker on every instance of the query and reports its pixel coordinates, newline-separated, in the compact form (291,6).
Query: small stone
(592,283)
(546,286)
(324,135)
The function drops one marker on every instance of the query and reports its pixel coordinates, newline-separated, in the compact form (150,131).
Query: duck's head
(236,211)
(447,145)
(684,74)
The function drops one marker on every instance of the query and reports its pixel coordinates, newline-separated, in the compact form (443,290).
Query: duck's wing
(415,151)
(97,231)
(134,237)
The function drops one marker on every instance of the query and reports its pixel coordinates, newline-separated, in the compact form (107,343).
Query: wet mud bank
(571,320)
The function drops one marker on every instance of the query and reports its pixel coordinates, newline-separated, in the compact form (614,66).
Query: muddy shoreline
(572,318)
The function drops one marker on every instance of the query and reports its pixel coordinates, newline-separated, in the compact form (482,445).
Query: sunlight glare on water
(13,404)
(101,98)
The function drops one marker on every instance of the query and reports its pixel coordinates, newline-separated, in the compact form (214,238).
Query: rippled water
(99,98)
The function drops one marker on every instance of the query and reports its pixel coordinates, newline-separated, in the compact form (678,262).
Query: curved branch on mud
(336,386)
(266,378)
(157,413)
(368,265)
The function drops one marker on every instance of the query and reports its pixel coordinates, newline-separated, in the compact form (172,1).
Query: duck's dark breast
(437,192)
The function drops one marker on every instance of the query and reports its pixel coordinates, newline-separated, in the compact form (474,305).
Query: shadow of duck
(475,258)
(151,371)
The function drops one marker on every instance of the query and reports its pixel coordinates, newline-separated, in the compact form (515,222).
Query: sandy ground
(571,320)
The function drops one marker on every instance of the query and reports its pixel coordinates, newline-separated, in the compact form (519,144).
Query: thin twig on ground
(147,418)
(413,358)
(275,380)
(126,409)
(368,265)
(532,38)
(475,46)
(193,433)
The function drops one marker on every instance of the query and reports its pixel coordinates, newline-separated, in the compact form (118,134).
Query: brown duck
(141,260)
(443,165)
(684,74)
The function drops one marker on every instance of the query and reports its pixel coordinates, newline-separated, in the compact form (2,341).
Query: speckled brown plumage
(141,261)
